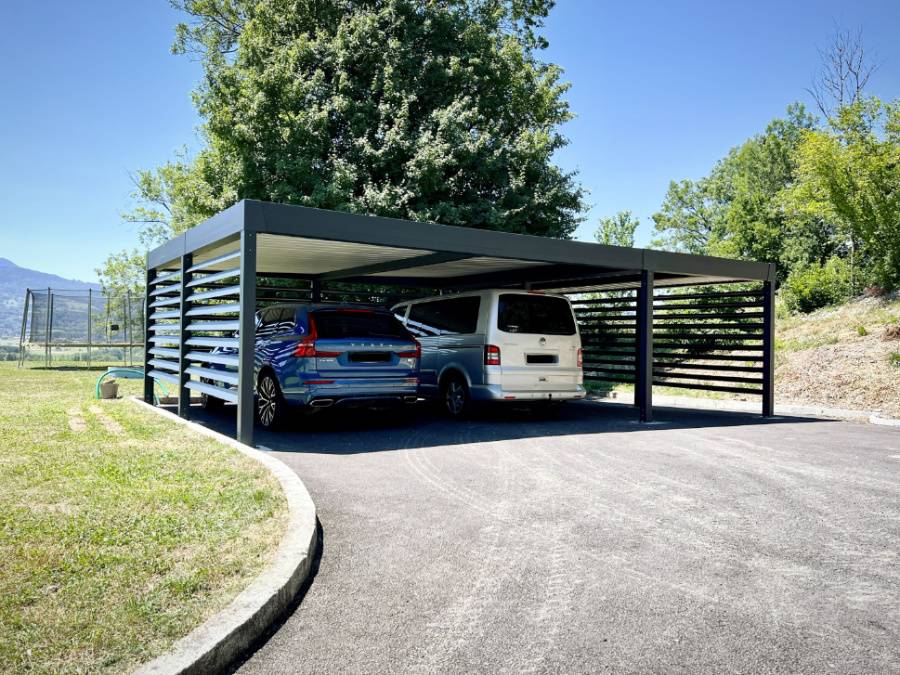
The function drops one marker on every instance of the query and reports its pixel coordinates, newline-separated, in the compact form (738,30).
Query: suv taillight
(306,347)
(580,357)
(412,354)
(491,355)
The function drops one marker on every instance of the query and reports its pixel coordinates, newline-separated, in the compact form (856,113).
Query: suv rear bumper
(494,392)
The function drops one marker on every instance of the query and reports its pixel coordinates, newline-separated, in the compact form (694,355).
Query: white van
(496,345)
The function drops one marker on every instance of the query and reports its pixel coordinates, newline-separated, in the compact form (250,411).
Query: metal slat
(212,310)
(212,390)
(229,376)
(166,302)
(162,364)
(606,378)
(206,264)
(213,342)
(708,357)
(164,339)
(702,366)
(707,326)
(164,351)
(210,278)
(705,305)
(708,387)
(167,314)
(164,326)
(710,346)
(206,357)
(704,377)
(712,294)
(176,274)
(716,315)
(213,325)
(166,290)
(160,375)
(215,293)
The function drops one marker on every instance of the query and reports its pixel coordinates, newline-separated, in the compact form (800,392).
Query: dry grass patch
(119,531)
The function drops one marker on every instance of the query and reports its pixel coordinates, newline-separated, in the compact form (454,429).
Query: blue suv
(317,356)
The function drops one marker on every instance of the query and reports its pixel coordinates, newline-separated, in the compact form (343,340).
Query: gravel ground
(704,543)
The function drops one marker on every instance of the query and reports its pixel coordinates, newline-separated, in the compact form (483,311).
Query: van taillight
(580,357)
(491,355)
(413,354)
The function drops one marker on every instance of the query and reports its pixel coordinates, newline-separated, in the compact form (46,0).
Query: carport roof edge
(269,218)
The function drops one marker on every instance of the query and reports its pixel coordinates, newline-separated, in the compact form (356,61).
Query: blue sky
(661,91)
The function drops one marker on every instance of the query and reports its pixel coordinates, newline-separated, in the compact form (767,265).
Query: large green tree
(736,211)
(849,174)
(437,111)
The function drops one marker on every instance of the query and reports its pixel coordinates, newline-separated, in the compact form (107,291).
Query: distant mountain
(13,282)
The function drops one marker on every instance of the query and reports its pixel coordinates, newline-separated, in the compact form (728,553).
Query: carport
(646,317)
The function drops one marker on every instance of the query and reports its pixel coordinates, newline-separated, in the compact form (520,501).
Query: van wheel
(270,404)
(455,396)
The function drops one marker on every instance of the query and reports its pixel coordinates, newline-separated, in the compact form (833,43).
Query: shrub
(862,331)
(813,286)
(894,359)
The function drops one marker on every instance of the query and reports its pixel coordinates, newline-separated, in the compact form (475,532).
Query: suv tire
(270,404)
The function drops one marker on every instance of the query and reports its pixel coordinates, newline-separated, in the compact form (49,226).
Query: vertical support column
(315,287)
(148,381)
(768,360)
(184,394)
(90,325)
(246,337)
(47,329)
(644,364)
(50,328)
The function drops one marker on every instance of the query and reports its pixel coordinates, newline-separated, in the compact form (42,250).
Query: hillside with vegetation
(843,356)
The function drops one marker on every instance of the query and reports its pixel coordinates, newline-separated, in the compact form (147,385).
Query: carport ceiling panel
(299,255)
(462,268)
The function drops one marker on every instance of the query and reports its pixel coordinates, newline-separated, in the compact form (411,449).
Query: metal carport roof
(255,238)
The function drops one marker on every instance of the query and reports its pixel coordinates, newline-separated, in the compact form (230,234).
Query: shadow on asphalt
(357,431)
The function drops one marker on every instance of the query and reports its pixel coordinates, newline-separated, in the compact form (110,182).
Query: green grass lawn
(120,531)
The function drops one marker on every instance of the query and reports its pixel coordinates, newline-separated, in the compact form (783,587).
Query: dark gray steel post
(90,313)
(24,327)
(644,365)
(148,381)
(768,361)
(246,337)
(315,288)
(184,394)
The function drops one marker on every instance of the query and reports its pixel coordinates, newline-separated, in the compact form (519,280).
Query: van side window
(454,316)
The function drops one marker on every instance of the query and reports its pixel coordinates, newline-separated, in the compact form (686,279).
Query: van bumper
(494,392)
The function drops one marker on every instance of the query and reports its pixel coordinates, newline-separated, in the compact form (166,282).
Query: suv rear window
(340,324)
(535,314)
(453,316)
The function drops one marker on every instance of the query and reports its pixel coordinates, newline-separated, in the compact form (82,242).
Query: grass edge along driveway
(120,531)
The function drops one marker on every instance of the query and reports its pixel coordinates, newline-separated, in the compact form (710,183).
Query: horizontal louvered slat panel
(707,387)
(164,339)
(166,276)
(160,375)
(229,395)
(164,351)
(162,364)
(215,293)
(166,290)
(213,342)
(228,376)
(165,302)
(206,357)
(214,310)
(212,262)
(197,326)
(218,276)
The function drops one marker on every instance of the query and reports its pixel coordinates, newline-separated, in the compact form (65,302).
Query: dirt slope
(842,356)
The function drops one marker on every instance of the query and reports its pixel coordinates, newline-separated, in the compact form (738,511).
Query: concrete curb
(626,398)
(216,643)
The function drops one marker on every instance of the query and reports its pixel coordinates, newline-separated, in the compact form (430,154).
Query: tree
(735,211)
(849,174)
(617,230)
(439,111)
(845,70)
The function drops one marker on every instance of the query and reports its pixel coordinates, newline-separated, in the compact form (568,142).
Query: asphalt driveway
(704,543)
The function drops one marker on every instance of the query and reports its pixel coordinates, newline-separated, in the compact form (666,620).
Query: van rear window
(341,324)
(533,314)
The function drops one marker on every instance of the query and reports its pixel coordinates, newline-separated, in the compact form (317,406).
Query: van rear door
(539,342)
